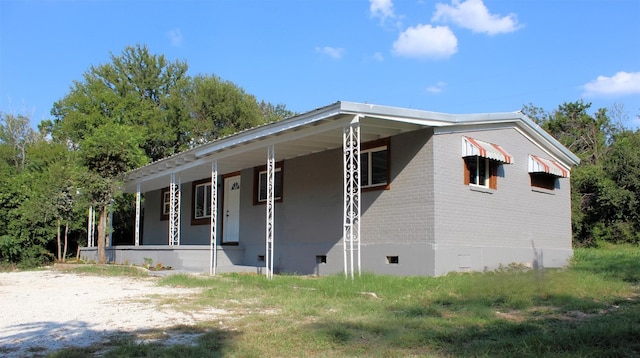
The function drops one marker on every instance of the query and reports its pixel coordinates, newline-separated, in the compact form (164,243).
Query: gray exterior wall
(428,218)
(308,222)
(482,229)
(156,231)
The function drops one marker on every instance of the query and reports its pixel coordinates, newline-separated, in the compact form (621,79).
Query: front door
(231,210)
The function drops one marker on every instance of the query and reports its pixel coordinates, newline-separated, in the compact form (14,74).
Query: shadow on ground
(442,331)
(78,339)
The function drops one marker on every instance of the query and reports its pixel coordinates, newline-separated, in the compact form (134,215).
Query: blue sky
(447,56)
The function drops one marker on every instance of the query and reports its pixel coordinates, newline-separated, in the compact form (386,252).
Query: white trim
(369,184)
(205,214)
(266,173)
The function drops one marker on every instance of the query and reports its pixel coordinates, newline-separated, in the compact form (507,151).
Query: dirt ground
(44,311)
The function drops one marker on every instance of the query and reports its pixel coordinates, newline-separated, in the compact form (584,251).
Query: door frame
(224,203)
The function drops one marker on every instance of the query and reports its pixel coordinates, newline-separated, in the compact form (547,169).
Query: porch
(341,127)
(192,258)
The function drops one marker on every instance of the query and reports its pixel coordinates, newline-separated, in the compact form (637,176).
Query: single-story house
(356,187)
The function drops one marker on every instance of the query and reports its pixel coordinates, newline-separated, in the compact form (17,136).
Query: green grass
(591,309)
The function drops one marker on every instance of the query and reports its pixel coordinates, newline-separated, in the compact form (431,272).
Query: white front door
(231,210)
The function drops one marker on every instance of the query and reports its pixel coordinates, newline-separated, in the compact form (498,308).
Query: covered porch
(343,126)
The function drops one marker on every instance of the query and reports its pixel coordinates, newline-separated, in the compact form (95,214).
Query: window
(165,204)
(260,183)
(543,180)
(374,165)
(481,162)
(544,173)
(201,198)
(394,260)
(481,171)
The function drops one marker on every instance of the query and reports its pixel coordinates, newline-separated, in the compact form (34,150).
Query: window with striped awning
(475,147)
(541,165)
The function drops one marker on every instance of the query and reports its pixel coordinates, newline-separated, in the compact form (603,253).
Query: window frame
(206,219)
(379,145)
(165,203)
(541,180)
(491,172)
(257,174)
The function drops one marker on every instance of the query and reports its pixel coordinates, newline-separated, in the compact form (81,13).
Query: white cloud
(333,52)
(175,36)
(622,83)
(382,9)
(474,15)
(378,57)
(437,88)
(425,41)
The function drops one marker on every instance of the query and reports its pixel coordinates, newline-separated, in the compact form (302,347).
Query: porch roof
(311,132)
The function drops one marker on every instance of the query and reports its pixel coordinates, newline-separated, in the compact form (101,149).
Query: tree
(273,113)
(135,89)
(141,107)
(217,108)
(16,131)
(108,154)
(605,189)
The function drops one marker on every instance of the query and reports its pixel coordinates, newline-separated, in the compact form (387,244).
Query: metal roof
(315,131)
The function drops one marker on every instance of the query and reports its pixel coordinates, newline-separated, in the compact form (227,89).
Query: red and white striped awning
(476,147)
(540,165)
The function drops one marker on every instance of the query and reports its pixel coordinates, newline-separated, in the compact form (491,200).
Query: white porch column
(351,223)
(110,225)
(137,228)
(174,211)
(270,211)
(90,223)
(213,259)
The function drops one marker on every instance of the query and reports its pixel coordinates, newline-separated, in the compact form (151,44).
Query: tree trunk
(66,235)
(59,246)
(102,235)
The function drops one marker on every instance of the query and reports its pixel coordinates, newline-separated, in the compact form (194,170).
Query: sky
(452,56)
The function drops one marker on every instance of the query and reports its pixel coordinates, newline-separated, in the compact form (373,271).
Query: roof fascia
(521,123)
(271,129)
(406,115)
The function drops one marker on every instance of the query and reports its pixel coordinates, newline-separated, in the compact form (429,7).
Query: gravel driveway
(41,311)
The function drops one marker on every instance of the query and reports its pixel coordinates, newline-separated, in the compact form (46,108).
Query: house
(356,187)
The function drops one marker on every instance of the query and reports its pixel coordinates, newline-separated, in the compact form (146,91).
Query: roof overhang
(315,131)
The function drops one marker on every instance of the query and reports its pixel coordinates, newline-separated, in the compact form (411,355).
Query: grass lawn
(591,309)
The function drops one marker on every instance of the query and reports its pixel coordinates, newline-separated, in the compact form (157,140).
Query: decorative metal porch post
(174,211)
(137,229)
(213,259)
(270,211)
(351,224)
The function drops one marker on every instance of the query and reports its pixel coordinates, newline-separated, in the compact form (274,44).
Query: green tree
(605,188)
(135,89)
(217,108)
(110,152)
(16,132)
(141,107)
(274,113)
